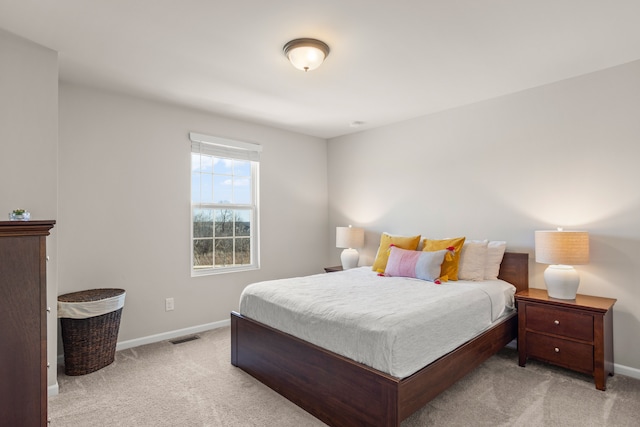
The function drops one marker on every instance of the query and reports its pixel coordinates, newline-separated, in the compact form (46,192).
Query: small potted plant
(19,215)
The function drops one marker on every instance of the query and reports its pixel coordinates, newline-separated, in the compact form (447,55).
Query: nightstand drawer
(555,321)
(569,354)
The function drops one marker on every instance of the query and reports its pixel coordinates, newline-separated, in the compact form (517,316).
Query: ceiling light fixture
(306,54)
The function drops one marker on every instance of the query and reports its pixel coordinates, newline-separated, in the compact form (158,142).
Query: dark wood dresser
(23,320)
(575,334)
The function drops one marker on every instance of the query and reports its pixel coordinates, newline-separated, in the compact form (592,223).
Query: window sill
(223,270)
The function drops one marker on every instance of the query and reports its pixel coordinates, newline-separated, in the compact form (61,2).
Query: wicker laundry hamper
(90,322)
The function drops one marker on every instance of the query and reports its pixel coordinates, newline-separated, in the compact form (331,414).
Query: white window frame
(237,150)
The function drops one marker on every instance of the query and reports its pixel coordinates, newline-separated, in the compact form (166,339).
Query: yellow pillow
(449,269)
(386,240)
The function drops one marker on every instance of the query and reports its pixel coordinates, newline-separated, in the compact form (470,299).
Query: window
(224,205)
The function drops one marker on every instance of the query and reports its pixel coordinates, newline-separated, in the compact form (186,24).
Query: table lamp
(562,250)
(349,238)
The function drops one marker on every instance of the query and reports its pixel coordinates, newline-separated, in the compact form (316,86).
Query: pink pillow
(416,264)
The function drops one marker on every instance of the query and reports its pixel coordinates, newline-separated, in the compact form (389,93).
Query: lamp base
(562,281)
(349,258)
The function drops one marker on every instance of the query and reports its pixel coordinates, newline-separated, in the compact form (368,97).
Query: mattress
(393,324)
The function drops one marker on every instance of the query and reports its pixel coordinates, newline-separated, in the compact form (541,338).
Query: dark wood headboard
(515,270)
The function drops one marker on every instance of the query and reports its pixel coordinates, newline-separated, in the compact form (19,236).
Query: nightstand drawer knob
(557,350)
(557,322)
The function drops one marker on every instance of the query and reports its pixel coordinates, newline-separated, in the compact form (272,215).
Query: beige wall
(29,146)
(125,206)
(564,154)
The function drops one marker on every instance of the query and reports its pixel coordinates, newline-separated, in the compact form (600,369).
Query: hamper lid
(90,303)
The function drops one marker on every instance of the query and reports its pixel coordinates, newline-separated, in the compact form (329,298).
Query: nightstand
(574,334)
(333,269)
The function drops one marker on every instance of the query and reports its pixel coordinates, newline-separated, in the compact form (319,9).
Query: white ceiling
(389,61)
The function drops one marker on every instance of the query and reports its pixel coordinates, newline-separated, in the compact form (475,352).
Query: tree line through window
(221,238)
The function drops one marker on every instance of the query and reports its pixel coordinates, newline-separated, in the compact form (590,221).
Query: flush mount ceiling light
(306,54)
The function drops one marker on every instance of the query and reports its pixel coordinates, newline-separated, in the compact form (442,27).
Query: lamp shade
(560,247)
(349,237)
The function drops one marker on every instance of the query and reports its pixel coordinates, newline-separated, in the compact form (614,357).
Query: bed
(342,392)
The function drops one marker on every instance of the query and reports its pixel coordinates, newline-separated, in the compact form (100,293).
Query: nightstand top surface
(581,301)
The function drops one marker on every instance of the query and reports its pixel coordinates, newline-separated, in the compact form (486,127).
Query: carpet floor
(194,384)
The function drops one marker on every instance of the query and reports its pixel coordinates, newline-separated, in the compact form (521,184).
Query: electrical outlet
(168,304)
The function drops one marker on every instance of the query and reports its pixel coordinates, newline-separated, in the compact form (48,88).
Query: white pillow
(473,259)
(495,252)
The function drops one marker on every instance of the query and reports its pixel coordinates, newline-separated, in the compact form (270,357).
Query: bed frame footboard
(334,389)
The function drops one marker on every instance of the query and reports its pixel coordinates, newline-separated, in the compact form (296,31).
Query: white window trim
(222,147)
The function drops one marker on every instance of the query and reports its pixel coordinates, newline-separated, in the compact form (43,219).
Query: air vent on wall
(185,339)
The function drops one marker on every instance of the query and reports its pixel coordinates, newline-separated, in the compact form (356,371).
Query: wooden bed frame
(342,392)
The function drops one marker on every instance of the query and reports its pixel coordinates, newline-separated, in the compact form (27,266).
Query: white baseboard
(52,390)
(626,371)
(123,345)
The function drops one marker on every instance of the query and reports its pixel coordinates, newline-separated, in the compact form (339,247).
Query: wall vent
(185,339)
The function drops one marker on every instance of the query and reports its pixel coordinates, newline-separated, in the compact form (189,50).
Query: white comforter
(393,324)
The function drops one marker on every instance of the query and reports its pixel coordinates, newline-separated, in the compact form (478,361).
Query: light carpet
(194,384)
